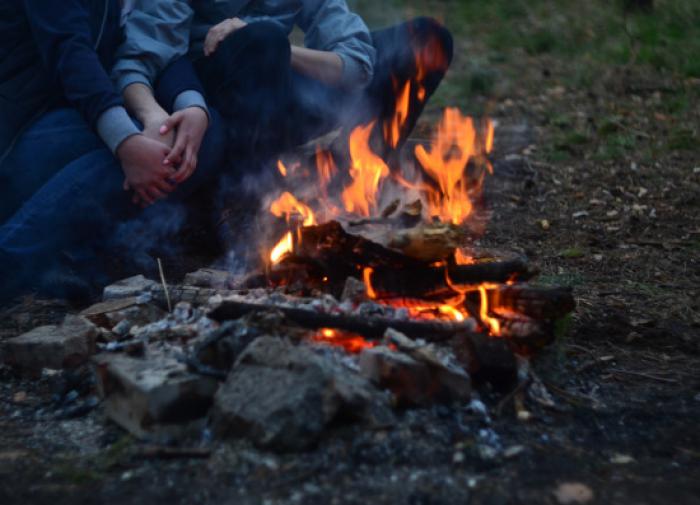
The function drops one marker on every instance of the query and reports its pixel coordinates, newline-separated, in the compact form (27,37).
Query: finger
(146,199)
(155,193)
(164,185)
(186,166)
(171,123)
(175,153)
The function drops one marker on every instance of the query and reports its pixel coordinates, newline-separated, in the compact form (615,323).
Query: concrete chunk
(64,346)
(108,314)
(153,396)
(130,287)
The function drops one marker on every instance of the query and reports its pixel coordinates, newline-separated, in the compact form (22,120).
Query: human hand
(218,33)
(191,125)
(152,125)
(145,173)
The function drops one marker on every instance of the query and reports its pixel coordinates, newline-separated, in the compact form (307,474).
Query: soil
(622,228)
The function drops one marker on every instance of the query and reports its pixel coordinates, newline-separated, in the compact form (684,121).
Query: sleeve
(156,33)
(329,25)
(62,33)
(178,87)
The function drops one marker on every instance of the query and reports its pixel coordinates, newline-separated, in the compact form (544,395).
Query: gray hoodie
(160,31)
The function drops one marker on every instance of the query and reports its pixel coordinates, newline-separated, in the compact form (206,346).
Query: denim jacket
(160,31)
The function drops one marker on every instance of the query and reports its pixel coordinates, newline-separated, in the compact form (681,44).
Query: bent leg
(247,79)
(54,140)
(418,52)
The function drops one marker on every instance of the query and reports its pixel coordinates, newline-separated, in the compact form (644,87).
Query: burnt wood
(369,327)
(536,302)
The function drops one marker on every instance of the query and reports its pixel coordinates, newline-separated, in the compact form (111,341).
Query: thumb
(171,123)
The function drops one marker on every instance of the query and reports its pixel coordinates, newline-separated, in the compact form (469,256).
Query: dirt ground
(598,182)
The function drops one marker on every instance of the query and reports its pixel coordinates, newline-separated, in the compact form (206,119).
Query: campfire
(370,293)
(399,238)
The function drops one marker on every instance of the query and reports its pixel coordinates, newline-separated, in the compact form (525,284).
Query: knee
(265,42)
(434,41)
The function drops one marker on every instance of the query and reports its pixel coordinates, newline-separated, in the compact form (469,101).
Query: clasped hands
(164,155)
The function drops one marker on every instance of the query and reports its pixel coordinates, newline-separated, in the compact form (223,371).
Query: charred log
(368,327)
(535,302)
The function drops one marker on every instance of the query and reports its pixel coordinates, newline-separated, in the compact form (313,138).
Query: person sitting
(69,148)
(275,95)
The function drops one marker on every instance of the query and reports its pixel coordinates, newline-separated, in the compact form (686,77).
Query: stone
(112,312)
(354,291)
(408,379)
(67,345)
(449,380)
(130,287)
(209,278)
(283,396)
(155,396)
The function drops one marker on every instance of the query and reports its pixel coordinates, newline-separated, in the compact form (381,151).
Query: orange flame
(453,145)
(367,172)
(493,323)
(287,204)
(283,247)
(393,129)
(463,259)
(367,278)
(282,169)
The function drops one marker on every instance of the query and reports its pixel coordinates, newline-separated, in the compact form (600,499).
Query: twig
(165,285)
(642,374)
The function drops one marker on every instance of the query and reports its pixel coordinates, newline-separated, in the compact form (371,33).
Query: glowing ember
(351,342)
(463,259)
(282,169)
(367,172)
(283,247)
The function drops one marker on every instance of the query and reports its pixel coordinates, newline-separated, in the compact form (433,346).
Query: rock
(354,291)
(155,396)
(65,346)
(406,378)
(275,407)
(130,287)
(487,359)
(112,312)
(209,278)
(449,381)
(283,396)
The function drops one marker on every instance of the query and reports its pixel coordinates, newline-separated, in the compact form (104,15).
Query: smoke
(152,234)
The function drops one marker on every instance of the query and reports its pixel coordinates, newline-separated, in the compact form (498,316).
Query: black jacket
(53,52)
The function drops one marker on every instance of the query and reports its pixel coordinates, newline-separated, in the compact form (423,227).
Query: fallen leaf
(622,459)
(573,493)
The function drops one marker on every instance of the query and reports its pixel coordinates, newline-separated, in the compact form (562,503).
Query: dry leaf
(573,493)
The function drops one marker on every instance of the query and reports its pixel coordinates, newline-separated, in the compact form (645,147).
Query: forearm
(323,66)
(142,105)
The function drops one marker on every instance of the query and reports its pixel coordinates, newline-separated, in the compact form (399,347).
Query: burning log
(369,327)
(433,280)
(535,302)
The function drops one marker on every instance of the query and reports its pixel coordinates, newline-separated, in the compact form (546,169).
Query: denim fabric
(77,203)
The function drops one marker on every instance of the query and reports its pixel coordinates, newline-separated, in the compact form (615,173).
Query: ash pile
(277,365)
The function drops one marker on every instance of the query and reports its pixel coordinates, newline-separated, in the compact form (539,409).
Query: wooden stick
(369,327)
(165,285)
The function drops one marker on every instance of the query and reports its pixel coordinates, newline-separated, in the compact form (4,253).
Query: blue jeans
(63,196)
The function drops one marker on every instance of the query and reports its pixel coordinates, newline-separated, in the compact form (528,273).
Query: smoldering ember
(400,310)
